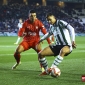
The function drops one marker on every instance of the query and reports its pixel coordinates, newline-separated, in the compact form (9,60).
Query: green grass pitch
(72,68)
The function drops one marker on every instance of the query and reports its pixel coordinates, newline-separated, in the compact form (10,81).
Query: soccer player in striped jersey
(64,35)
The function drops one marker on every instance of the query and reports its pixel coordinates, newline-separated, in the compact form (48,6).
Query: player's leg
(22,47)
(18,39)
(38,48)
(64,50)
(45,52)
(17,56)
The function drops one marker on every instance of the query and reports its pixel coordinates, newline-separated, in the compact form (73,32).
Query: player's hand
(40,41)
(24,34)
(73,45)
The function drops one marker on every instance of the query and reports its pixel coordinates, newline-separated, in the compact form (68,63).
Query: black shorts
(56,49)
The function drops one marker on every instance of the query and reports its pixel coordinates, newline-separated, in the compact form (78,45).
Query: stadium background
(12,10)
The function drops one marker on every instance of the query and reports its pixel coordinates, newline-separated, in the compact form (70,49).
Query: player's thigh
(38,47)
(23,46)
(65,50)
(46,52)
(20,49)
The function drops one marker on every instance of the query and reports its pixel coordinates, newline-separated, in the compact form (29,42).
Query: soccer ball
(55,72)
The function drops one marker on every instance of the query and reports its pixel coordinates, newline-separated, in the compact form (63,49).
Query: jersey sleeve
(70,29)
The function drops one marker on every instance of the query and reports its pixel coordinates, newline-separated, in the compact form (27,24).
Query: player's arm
(72,33)
(45,37)
(70,29)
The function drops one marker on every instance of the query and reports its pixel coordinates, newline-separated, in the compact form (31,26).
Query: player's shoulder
(39,21)
(26,21)
(62,21)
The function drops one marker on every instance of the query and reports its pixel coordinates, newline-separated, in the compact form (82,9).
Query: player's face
(32,17)
(20,21)
(51,20)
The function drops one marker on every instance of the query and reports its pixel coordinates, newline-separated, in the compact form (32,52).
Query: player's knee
(65,50)
(40,55)
(15,54)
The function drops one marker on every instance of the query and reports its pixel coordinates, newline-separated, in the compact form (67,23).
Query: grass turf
(72,67)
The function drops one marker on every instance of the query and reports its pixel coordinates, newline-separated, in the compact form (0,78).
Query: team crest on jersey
(36,27)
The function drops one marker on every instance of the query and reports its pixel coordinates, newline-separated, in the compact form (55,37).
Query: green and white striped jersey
(63,32)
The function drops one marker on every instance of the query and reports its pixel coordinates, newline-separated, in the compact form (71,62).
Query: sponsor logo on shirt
(32,33)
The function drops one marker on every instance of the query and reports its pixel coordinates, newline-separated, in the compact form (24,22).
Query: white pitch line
(8,46)
(77,51)
(21,54)
(36,53)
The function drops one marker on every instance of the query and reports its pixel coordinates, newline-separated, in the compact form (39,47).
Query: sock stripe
(44,63)
(57,61)
(41,60)
(54,64)
(58,58)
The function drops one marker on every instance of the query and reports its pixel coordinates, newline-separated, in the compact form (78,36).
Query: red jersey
(30,31)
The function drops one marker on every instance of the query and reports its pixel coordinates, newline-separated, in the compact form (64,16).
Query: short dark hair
(49,14)
(32,11)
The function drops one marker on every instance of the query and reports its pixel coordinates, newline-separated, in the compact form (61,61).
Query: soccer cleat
(52,42)
(46,72)
(15,65)
(42,69)
(43,73)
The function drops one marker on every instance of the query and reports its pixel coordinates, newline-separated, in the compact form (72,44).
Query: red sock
(17,57)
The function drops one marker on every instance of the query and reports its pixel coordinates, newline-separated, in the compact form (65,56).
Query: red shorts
(27,45)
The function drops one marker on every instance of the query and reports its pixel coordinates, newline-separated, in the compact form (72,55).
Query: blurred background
(72,11)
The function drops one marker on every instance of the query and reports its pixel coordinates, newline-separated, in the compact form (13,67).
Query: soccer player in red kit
(30,33)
